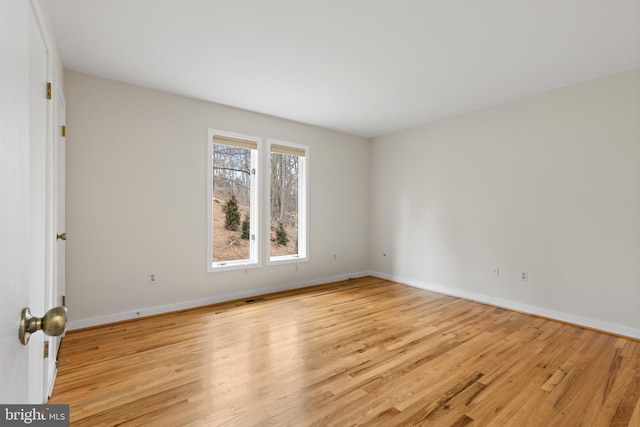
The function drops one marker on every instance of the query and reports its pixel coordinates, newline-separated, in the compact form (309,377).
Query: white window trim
(254,256)
(303,206)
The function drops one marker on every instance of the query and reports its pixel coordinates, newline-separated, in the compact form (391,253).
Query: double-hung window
(257,201)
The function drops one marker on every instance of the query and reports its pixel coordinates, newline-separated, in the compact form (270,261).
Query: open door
(56,292)
(38,206)
(25,201)
(14,191)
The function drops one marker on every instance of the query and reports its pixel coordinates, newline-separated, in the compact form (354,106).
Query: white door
(57,289)
(23,131)
(14,186)
(39,209)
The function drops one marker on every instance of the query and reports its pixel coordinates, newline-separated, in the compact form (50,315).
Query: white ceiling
(365,67)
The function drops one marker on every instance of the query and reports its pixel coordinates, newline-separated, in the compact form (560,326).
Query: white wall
(136,202)
(549,184)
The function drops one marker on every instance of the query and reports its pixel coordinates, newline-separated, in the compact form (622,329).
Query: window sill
(231,265)
(287,259)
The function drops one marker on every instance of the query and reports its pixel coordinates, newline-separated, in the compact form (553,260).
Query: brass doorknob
(53,323)
(62,236)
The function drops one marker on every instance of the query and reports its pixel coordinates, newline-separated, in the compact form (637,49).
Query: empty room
(322,213)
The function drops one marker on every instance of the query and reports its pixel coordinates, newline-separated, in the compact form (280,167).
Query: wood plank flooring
(363,352)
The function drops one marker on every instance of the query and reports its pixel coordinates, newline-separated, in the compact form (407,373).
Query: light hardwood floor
(361,352)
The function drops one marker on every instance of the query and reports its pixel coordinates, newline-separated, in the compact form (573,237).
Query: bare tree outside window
(231,174)
(284,204)
(257,201)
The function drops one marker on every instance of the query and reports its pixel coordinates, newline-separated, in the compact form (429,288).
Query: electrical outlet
(335,256)
(524,276)
(152,278)
(495,272)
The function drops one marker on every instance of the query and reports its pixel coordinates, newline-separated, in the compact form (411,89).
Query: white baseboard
(512,305)
(150,311)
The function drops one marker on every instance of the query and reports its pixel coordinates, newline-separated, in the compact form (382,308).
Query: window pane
(285,183)
(231,204)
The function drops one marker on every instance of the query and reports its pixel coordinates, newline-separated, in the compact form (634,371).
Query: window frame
(254,211)
(303,204)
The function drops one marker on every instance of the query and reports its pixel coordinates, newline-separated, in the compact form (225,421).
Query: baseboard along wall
(151,311)
(516,306)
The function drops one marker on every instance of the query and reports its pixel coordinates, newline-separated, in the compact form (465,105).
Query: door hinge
(63,131)
(46,349)
(49,90)
(64,300)
(253,171)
